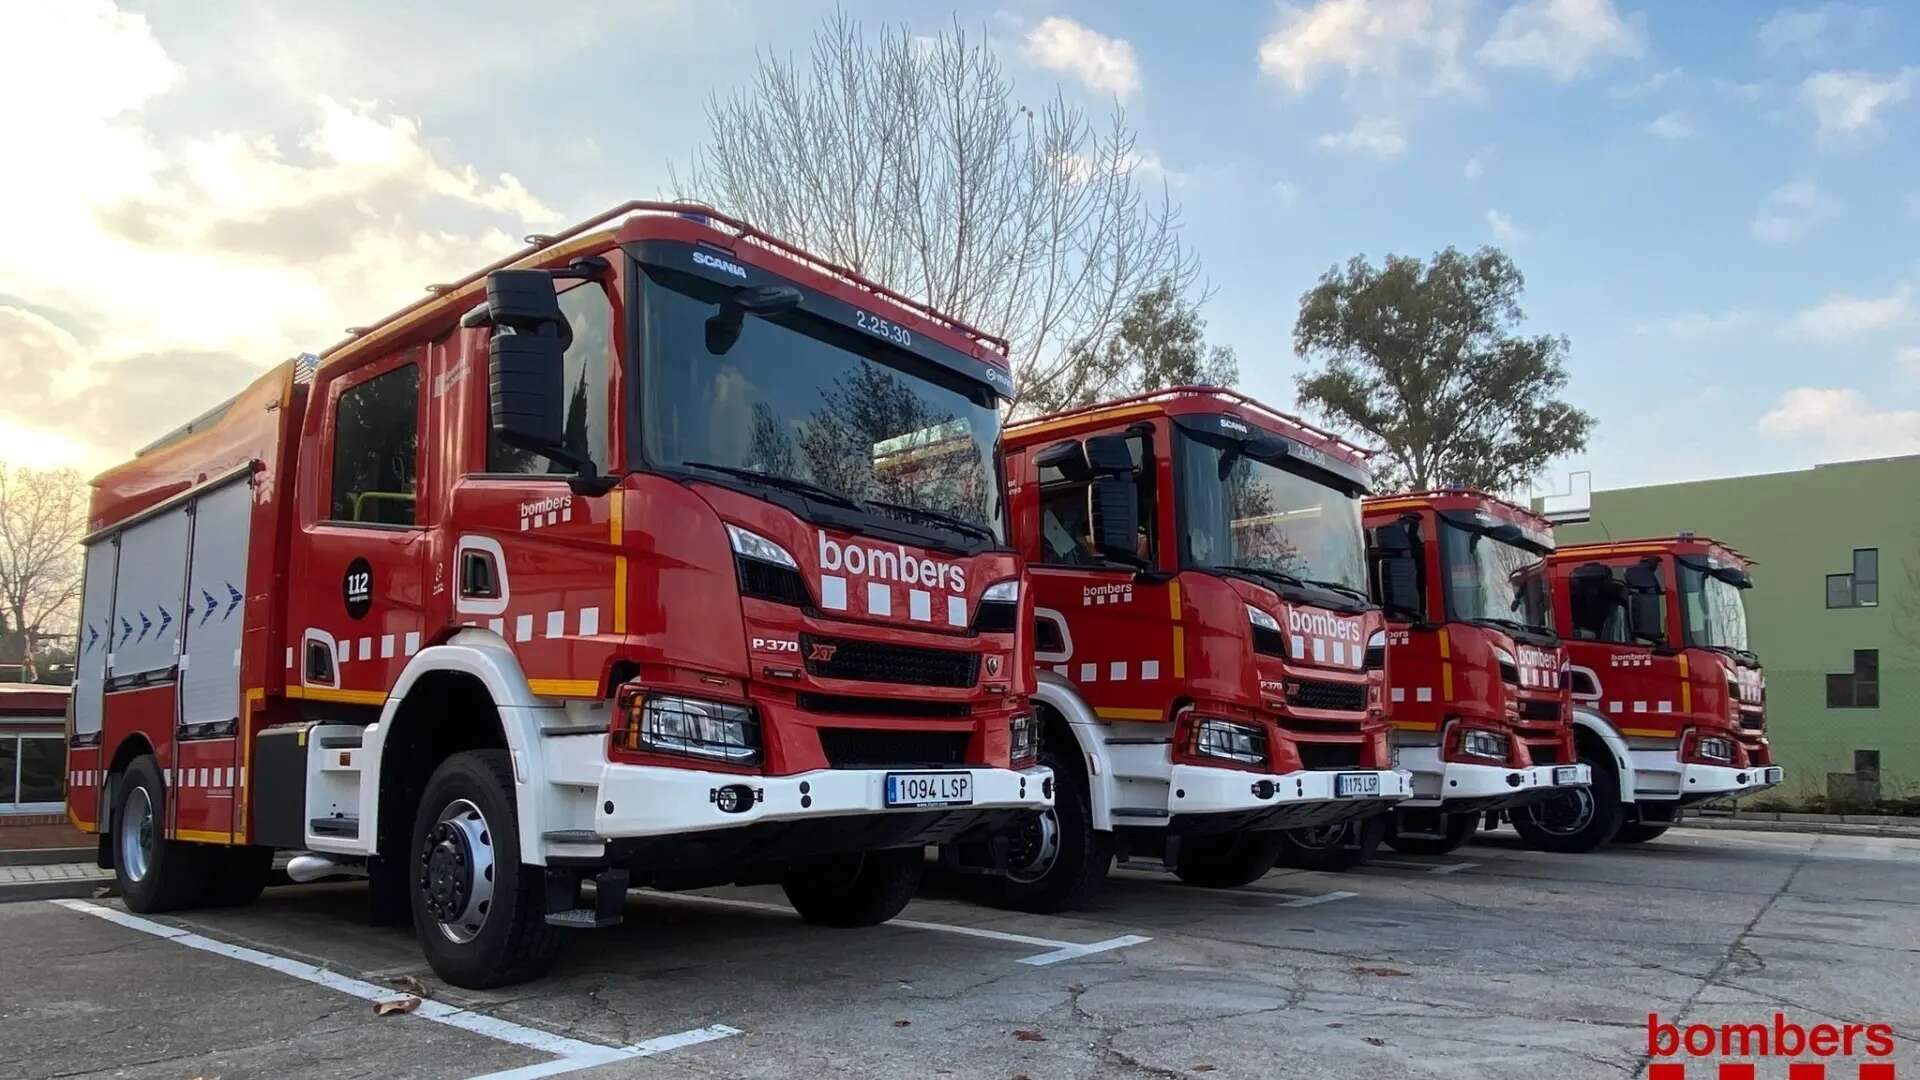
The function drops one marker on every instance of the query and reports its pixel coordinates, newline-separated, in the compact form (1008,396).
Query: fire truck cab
(660,553)
(1669,700)
(1475,673)
(1209,664)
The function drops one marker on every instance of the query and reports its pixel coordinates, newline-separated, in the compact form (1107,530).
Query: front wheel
(856,890)
(1227,860)
(1333,848)
(1058,860)
(1639,832)
(1577,821)
(479,913)
(1455,830)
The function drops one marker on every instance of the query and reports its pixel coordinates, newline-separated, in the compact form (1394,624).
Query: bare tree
(43,514)
(908,160)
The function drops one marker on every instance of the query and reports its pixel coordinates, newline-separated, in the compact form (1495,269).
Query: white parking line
(1321,898)
(1431,868)
(570,1055)
(1059,950)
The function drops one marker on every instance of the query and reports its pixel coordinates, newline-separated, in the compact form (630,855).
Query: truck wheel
(1059,860)
(1639,832)
(856,890)
(1333,848)
(153,872)
(479,913)
(1456,830)
(238,875)
(1577,821)
(1227,860)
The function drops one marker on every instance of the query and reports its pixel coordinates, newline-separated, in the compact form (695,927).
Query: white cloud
(1369,135)
(1741,91)
(1502,226)
(1474,168)
(1099,62)
(1286,193)
(1672,126)
(1841,423)
(1790,211)
(1906,361)
(1696,325)
(1840,318)
(1818,30)
(1566,39)
(1384,43)
(1645,87)
(1846,104)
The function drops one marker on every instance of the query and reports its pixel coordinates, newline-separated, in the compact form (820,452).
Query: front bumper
(1659,776)
(1201,799)
(1457,787)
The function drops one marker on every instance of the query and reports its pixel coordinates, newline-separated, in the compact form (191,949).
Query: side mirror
(723,329)
(1068,457)
(1646,605)
(530,338)
(1392,538)
(1400,586)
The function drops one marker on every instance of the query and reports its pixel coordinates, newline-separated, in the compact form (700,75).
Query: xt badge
(822,652)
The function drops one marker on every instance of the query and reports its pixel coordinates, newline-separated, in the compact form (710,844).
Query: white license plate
(1347,785)
(1566,774)
(929,789)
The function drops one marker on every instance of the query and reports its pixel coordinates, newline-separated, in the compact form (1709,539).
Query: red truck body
(702,657)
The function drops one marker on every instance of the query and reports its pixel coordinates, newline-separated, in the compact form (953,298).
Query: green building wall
(1799,527)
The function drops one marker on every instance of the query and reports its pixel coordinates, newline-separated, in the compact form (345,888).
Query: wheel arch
(1592,733)
(1063,709)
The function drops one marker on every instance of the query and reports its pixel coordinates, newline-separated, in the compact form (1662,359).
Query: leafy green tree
(1160,341)
(1427,361)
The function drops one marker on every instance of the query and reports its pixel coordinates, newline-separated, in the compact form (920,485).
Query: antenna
(1573,505)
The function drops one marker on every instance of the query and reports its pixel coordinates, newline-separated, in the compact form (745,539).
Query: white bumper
(1437,783)
(1659,775)
(1197,789)
(645,800)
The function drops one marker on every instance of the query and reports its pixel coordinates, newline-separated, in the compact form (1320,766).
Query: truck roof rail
(1176,393)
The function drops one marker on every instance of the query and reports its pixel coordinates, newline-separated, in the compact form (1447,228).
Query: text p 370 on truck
(1209,664)
(661,553)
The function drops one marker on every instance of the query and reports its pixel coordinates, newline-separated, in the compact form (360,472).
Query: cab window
(376,443)
(1066,514)
(1598,613)
(590,316)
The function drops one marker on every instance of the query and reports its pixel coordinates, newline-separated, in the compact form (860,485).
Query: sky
(1718,204)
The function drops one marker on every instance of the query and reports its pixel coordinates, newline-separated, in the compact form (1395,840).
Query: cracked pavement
(1524,965)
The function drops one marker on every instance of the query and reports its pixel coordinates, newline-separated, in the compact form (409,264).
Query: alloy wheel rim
(136,835)
(1036,848)
(457,871)
(1564,814)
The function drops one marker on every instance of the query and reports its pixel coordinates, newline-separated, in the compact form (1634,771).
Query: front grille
(873,661)
(1311,694)
(1536,711)
(1322,755)
(847,748)
(1753,721)
(849,705)
(1545,753)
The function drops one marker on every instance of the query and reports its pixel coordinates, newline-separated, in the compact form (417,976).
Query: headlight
(999,608)
(1480,743)
(1023,740)
(754,546)
(1509,669)
(1002,592)
(1262,620)
(1225,739)
(1714,748)
(671,724)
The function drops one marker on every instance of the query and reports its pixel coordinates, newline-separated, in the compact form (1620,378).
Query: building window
(1860,588)
(375,443)
(32,772)
(1859,688)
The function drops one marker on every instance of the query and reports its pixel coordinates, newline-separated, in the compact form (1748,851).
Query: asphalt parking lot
(1491,962)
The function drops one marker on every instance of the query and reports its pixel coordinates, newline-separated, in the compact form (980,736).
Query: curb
(1828,828)
(19,892)
(46,856)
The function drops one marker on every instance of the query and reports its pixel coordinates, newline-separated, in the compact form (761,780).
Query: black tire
(1082,855)
(1333,850)
(168,874)
(856,890)
(1227,860)
(238,875)
(1455,831)
(1577,821)
(508,940)
(1639,832)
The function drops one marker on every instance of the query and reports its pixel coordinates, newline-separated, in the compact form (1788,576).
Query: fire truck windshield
(812,405)
(1268,518)
(1716,613)
(1491,580)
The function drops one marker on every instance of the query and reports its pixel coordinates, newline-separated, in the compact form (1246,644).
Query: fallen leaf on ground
(1025,1035)
(903,1023)
(408,984)
(1384,972)
(1202,1068)
(403,1005)
(1371,1041)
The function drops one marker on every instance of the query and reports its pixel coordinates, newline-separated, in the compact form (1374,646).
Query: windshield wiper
(1280,576)
(953,521)
(804,487)
(1339,586)
(1514,624)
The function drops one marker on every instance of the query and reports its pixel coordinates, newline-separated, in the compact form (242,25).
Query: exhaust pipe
(304,868)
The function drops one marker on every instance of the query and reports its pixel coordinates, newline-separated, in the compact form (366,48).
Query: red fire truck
(1209,664)
(660,553)
(1476,675)
(1670,702)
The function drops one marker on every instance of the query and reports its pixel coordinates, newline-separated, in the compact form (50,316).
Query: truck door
(1635,683)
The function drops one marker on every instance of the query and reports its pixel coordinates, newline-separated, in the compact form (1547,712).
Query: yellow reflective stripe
(1686,686)
(1649,733)
(203,837)
(1446,680)
(1128,714)
(616,533)
(1417,725)
(345,697)
(1446,644)
(1179,632)
(564,687)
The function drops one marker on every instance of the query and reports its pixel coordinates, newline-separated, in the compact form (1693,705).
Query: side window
(590,316)
(1066,515)
(375,449)
(1594,594)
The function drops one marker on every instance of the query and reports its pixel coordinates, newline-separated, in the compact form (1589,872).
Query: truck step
(581,919)
(336,826)
(572,836)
